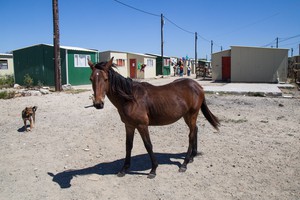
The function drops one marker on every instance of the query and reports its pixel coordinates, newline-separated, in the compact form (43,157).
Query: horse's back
(166,104)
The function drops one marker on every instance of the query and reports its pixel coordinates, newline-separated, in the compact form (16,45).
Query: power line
(173,23)
(280,40)
(190,32)
(288,38)
(266,45)
(289,44)
(156,15)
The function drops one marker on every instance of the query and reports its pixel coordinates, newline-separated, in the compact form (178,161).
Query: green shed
(162,68)
(38,62)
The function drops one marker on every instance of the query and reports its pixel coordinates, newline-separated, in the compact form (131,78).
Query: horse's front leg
(148,145)
(129,144)
(187,159)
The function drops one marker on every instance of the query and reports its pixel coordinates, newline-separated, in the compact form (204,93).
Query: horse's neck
(116,100)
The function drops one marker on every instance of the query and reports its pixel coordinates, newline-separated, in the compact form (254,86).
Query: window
(120,62)
(149,62)
(166,62)
(3,65)
(81,60)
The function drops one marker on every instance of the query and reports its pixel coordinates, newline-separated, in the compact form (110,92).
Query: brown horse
(141,105)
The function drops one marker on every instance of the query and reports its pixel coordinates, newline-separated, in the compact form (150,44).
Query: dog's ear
(34,108)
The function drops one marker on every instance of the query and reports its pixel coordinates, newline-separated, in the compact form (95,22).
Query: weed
(76,91)
(7,81)
(7,94)
(28,81)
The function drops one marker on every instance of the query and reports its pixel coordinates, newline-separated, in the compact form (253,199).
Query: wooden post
(162,42)
(211,48)
(196,59)
(57,64)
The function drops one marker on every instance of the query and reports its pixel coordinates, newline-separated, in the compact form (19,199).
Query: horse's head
(100,82)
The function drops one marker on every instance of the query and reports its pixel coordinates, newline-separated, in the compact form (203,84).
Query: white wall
(252,64)
(10,64)
(150,71)
(107,55)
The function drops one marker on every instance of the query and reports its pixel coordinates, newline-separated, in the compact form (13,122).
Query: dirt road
(75,151)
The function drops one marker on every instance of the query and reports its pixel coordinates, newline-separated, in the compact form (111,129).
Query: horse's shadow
(139,163)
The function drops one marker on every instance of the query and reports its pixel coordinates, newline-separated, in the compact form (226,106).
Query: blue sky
(109,25)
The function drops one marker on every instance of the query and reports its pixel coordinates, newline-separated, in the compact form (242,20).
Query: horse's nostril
(99,105)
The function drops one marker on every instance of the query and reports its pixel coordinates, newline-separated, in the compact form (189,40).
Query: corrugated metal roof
(62,47)
(6,54)
(142,54)
(157,55)
(77,48)
(253,47)
(139,54)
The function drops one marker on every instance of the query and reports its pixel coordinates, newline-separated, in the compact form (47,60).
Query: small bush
(7,81)
(7,94)
(40,84)
(28,81)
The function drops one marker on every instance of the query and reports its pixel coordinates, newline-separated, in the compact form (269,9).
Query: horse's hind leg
(190,120)
(195,145)
(129,144)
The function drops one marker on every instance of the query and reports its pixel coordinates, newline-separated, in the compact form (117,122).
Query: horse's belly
(160,119)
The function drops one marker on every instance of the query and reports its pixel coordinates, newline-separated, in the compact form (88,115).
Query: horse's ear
(109,64)
(91,64)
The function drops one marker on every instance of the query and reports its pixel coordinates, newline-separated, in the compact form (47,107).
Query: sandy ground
(74,152)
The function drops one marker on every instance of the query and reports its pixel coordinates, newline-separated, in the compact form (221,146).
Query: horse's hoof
(151,176)
(121,174)
(182,169)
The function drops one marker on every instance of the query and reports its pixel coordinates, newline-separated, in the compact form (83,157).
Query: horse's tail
(213,120)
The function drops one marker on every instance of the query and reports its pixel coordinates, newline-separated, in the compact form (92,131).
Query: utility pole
(196,59)
(162,41)
(292,51)
(57,64)
(277,42)
(211,48)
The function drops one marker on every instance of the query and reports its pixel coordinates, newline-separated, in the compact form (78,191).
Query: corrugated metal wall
(216,64)
(252,64)
(79,75)
(37,61)
(265,65)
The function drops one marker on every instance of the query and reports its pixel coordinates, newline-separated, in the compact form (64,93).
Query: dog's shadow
(23,128)
(139,163)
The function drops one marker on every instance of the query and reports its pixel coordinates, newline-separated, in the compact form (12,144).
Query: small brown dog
(29,114)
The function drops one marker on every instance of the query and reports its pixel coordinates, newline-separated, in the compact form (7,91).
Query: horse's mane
(118,84)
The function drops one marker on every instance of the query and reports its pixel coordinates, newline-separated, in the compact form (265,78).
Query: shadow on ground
(139,164)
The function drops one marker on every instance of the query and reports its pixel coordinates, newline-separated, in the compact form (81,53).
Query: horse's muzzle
(99,105)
